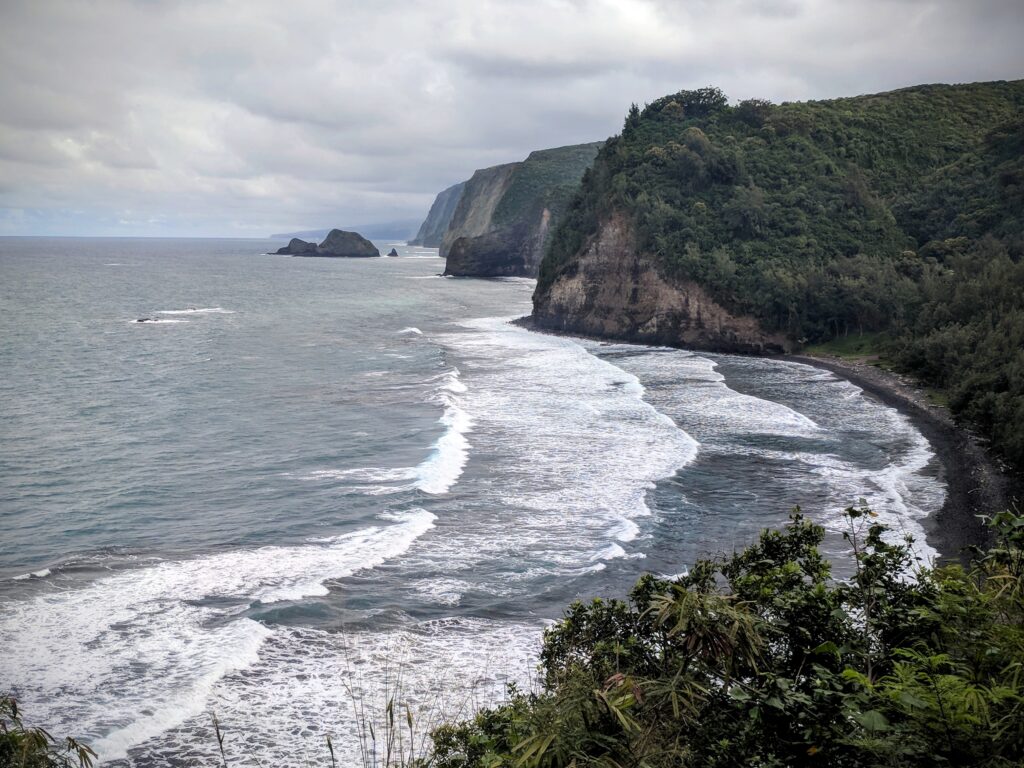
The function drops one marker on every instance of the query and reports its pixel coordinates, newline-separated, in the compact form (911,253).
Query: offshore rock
(342,244)
(297,247)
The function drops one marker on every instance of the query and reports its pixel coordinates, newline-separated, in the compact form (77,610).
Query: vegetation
(761,659)
(25,747)
(900,213)
(548,178)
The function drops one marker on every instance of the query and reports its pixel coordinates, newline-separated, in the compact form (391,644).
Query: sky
(238,118)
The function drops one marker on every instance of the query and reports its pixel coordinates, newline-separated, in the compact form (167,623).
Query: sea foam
(131,655)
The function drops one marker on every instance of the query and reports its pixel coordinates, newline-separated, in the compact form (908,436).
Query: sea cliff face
(474,215)
(500,223)
(435,225)
(615,290)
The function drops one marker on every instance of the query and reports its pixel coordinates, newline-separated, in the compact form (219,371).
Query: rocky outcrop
(432,229)
(613,290)
(297,247)
(503,253)
(393,252)
(344,244)
(501,224)
(337,244)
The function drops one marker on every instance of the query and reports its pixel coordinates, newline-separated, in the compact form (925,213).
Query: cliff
(614,289)
(480,197)
(432,229)
(504,214)
(897,217)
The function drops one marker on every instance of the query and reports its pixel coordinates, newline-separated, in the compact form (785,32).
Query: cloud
(244,117)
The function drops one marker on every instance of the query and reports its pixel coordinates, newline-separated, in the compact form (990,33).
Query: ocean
(308,485)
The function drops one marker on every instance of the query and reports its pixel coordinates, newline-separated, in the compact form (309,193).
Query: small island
(337,244)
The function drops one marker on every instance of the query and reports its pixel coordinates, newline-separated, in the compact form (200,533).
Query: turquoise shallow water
(309,466)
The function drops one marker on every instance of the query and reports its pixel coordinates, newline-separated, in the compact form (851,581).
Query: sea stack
(337,244)
(297,247)
(340,243)
(393,252)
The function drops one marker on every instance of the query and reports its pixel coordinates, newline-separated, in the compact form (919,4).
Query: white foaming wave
(307,683)
(411,329)
(196,311)
(158,321)
(33,575)
(754,413)
(900,491)
(442,467)
(579,445)
(450,453)
(134,654)
(363,474)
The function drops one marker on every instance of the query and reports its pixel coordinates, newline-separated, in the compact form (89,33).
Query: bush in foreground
(761,659)
(25,747)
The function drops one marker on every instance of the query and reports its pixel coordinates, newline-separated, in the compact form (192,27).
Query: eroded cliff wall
(480,197)
(432,229)
(506,213)
(614,290)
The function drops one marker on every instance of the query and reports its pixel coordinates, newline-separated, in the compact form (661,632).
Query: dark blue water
(309,473)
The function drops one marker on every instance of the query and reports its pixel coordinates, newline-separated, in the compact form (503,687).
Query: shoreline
(975,482)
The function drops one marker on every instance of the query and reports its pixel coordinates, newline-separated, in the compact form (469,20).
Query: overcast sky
(245,117)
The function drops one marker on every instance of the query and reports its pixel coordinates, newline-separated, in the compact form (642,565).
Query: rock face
(436,224)
(337,244)
(393,252)
(505,213)
(612,290)
(340,243)
(298,247)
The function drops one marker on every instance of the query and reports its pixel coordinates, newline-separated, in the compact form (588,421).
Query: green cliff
(505,213)
(762,227)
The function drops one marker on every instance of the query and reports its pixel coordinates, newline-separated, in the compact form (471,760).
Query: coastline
(975,482)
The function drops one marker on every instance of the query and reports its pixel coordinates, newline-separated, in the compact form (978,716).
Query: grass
(868,347)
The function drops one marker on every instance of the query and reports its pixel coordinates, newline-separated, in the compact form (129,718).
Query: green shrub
(762,659)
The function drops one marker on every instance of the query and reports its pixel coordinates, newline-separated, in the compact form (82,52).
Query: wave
(411,329)
(450,453)
(314,678)
(824,444)
(576,447)
(158,321)
(437,473)
(33,575)
(196,311)
(136,653)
